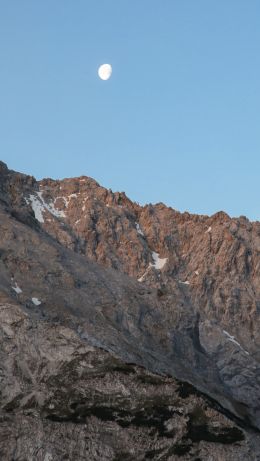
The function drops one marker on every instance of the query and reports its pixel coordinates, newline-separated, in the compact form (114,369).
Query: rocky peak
(111,283)
(158,245)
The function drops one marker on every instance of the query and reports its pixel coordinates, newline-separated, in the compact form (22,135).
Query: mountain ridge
(175,294)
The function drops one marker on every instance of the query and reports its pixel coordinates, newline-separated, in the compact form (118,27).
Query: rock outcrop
(127,332)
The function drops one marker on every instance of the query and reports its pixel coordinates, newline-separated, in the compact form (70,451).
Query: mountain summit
(127,332)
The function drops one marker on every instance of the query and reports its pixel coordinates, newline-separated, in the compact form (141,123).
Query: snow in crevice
(208,230)
(65,200)
(233,340)
(197,272)
(72,196)
(50,207)
(39,206)
(138,228)
(186,282)
(141,279)
(17,289)
(36,301)
(159,263)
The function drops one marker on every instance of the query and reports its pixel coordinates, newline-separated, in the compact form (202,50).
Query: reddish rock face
(216,259)
(173,293)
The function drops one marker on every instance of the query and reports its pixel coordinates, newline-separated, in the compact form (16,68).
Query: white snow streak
(233,340)
(208,230)
(17,289)
(184,283)
(39,206)
(141,279)
(36,301)
(66,200)
(72,196)
(50,207)
(138,228)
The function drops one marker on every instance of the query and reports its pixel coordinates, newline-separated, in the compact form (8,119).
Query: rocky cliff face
(127,332)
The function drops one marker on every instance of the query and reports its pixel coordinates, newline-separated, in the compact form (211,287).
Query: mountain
(127,332)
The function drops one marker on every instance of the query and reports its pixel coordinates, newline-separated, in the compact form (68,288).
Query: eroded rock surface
(127,332)
(62,398)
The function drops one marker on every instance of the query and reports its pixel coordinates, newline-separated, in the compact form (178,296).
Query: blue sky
(179,120)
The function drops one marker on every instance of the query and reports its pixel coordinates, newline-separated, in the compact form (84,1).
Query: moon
(105,71)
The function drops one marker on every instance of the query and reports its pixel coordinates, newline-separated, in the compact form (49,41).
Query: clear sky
(179,120)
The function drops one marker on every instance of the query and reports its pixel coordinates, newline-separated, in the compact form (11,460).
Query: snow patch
(138,228)
(17,289)
(36,301)
(208,230)
(184,283)
(65,201)
(39,206)
(197,272)
(159,263)
(50,207)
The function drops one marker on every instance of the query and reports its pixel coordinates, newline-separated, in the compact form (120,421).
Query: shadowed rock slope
(127,332)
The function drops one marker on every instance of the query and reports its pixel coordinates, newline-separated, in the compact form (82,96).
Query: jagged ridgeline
(127,332)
